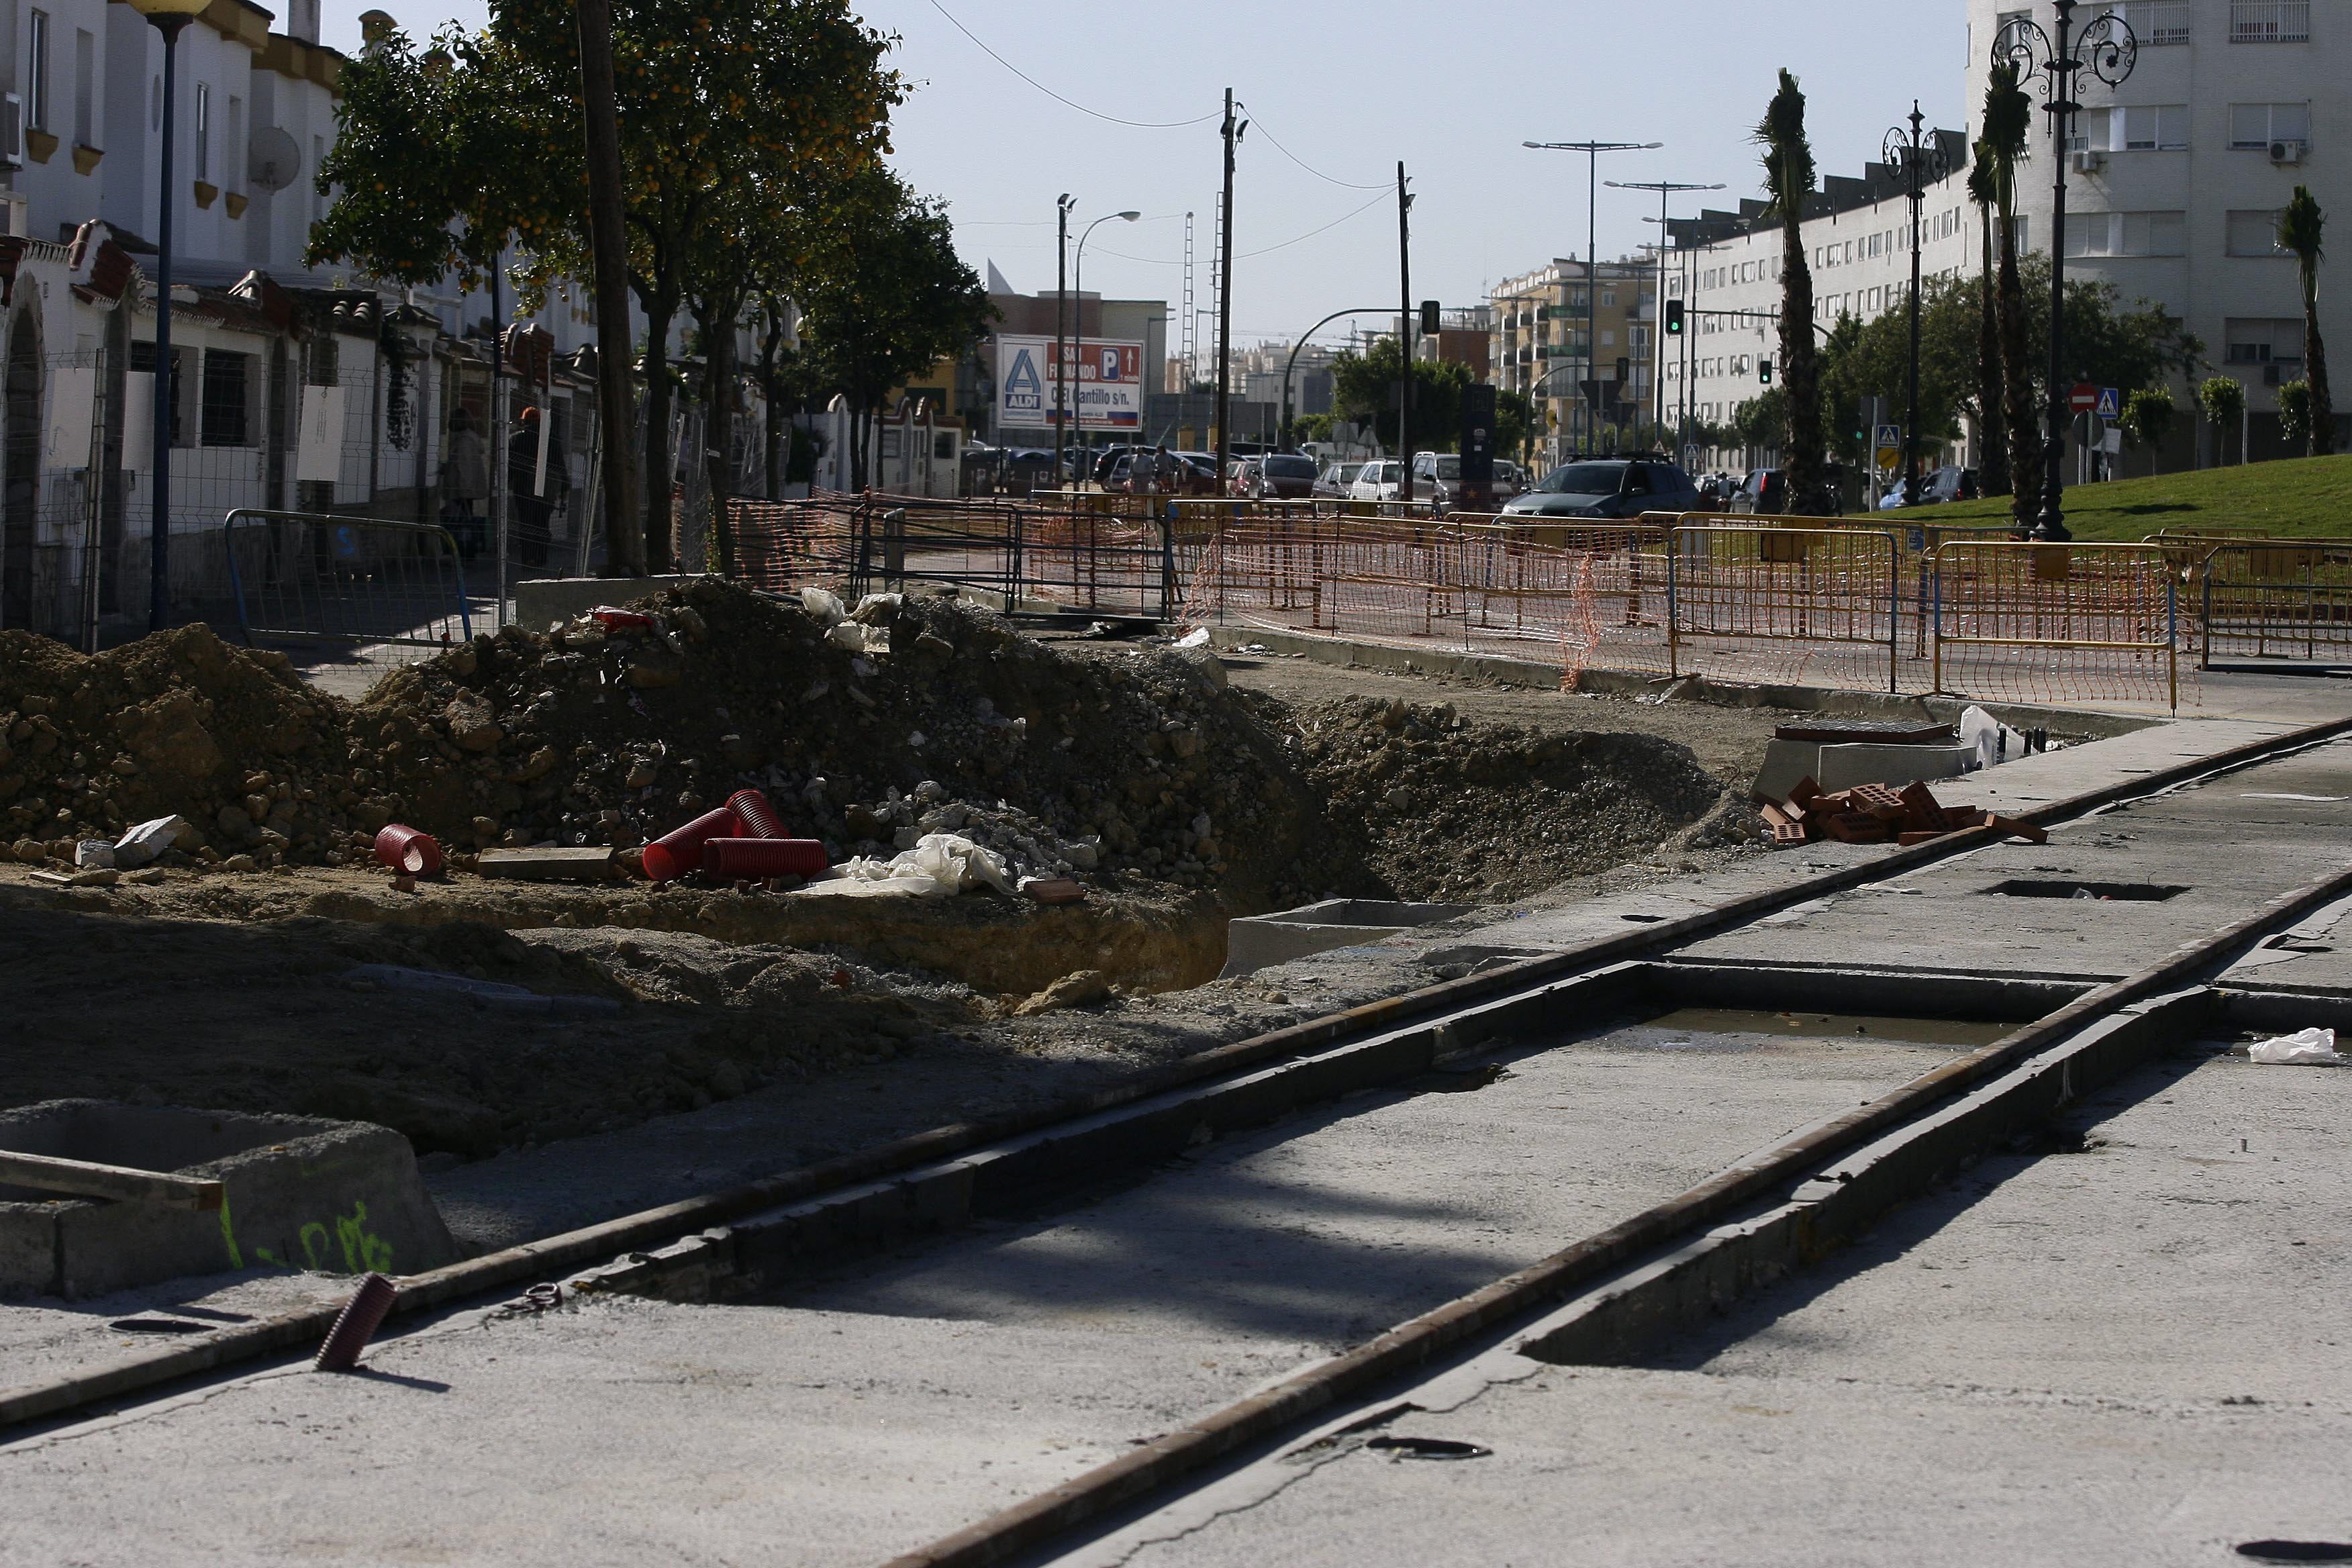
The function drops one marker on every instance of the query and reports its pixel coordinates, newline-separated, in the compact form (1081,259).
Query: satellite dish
(271,159)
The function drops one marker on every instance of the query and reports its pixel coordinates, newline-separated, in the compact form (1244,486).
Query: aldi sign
(1104,380)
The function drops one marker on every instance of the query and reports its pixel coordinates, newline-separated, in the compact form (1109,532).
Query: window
(2254,126)
(85,88)
(2126,234)
(228,399)
(2269,21)
(2145,128)
(233,177)
(203,131)
(2258,342)
(36,73)
(2253,233)
(2155,22)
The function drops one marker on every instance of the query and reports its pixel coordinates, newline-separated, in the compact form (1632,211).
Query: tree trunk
(2024,427)
(1992,417)
(2321,442)
(719,429)
(661,463)
(1801,377)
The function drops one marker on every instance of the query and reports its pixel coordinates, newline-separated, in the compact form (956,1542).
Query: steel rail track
(154,1373)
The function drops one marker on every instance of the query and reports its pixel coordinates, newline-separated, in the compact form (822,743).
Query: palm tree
(1992,423)
(2298,230)
(2007,116)
(1788,181)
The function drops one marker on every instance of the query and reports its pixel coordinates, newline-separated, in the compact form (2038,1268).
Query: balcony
(2269,21)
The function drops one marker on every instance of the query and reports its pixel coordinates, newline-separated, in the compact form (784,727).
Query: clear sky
(1346,87)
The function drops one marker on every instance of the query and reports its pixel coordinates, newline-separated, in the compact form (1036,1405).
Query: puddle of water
(1748,1021)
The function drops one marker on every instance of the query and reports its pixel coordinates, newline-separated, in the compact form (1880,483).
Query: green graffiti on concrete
(361,1249)
(228,1235)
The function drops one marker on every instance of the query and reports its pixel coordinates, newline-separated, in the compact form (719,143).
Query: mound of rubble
(1445,809)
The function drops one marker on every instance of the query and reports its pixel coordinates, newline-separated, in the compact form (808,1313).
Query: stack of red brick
(1876,814)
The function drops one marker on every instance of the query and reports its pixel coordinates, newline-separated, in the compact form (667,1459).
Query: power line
(1257,122)
(1049,92)
(1311,233)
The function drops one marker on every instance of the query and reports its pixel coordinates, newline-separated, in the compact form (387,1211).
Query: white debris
(2304,1047)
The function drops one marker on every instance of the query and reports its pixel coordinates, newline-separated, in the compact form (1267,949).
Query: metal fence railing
(1794,604)
(378,591)
(2011,619)
(2274,599)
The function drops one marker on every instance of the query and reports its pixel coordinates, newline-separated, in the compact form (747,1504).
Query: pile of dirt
(176,725)
(914,717)
(1138,769)
(1443,808)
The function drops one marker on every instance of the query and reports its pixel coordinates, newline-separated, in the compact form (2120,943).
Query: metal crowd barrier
(2275,598)
(1822,593)
(2101,616)
(356,582)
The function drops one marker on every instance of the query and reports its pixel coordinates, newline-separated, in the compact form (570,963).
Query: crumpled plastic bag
(940,866)
(825,604)
(1197,637)
(859,638)
(2304,1047)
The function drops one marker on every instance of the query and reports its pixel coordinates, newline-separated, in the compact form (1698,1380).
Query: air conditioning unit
(2286,152)
(2089,161)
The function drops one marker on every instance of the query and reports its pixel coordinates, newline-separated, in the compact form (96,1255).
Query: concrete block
(543,599)
(1259,941)
(1842,767)
(301,1192)
(1786,762)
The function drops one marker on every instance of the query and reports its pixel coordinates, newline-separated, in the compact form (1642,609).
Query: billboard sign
(1106,383)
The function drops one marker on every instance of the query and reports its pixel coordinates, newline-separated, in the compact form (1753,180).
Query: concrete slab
(2134,1354)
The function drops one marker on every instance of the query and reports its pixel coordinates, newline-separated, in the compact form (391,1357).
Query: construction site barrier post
(359,582)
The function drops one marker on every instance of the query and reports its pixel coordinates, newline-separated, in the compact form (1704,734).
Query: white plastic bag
(2304,1047)
(940,866)
(1994,740)
(823,605)
(1197,637)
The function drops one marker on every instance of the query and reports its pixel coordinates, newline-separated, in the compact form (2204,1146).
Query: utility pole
(1061,328)
(1404,337)
(1592,151)
(624,537)
(1667,190)
(1232,135)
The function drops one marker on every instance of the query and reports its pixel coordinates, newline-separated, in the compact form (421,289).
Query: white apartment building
(2174,180)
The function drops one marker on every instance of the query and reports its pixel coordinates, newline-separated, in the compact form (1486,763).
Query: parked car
(1106,460)
(1377,481)
(1765,492)
(1437,479)
(1607,488)
(1940,488)
(1335,480)
(1285,475)
(1510,479)
(1245,479)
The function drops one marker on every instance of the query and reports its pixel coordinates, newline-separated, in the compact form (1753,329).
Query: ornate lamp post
(168,16)
(2109,50)
(1921,165)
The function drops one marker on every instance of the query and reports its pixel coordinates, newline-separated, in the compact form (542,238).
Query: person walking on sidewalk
(465,484)
(534,513)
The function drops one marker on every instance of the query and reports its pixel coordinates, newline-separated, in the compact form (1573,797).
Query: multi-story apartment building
(2174,180)
(1538,349)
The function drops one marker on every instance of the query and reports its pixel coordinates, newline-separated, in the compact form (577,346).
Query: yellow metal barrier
(1822,593)
(2273,598)
(2102,617)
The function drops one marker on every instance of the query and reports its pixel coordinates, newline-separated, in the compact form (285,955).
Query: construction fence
(1901,608)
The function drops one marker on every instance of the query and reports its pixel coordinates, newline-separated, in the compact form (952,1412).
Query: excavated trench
(1178,802)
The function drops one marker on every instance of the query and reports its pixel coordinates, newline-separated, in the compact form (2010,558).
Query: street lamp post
(168,16)
(1592,151)
(1080,287)
(1665,189)
(1921,163)
(1291,366)
(1062,206)
(2108,50)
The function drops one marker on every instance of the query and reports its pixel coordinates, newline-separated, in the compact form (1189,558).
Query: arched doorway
(20,469)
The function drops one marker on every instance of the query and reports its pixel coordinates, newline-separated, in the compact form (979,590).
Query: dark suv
(1621,487)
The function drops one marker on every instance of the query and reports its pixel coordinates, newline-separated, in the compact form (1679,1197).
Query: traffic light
(1764,370)
(1429,317)
(1674,318)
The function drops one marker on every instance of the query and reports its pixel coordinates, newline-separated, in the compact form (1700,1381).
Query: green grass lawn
(2300,498)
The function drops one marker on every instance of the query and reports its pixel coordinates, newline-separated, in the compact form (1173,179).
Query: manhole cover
(2297,1550)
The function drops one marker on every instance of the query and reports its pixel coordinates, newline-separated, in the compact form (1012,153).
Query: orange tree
(447,156)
